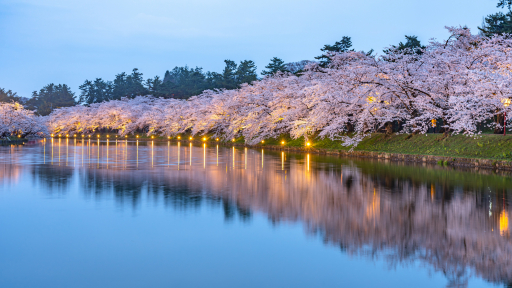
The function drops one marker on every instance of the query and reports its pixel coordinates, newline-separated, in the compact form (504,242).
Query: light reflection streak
(179,149)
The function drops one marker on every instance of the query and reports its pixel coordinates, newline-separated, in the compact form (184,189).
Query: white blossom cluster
(19,122)
(463,81)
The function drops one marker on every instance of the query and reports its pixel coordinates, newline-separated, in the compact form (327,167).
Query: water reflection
(454,221)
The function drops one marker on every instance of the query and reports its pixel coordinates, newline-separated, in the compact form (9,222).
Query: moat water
(89,213)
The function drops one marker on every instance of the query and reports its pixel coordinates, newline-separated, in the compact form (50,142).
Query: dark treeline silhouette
(179,83)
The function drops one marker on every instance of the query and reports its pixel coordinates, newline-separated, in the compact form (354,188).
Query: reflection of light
(432,191)
(179,145)
(204,155)
(373,210)
(282,160)
(504,223)
(233,157)
(308,161)
(190,153)
(217,155)
(262,154)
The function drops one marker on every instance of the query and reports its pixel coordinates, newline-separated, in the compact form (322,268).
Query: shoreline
(447,160)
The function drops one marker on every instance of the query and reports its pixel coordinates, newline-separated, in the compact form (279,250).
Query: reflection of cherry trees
(367,211)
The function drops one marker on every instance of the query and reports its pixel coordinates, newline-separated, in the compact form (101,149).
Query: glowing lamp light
(82,135)
(262,141)
(190,138)
(51,135)
(98,135)
(89,136)
(125,136)
(152,137)
(308,144)
(179,137)
(169,137)
(216,139)
(74,135)
(282,142)
(108,136)
(137,136)
(19,136)
(233,140)
(204,138)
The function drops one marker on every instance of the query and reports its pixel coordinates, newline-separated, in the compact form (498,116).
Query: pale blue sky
(68,41)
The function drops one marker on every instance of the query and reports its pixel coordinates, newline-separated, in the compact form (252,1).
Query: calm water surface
(93,213)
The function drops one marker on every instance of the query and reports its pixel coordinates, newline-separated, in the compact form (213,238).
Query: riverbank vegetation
(461,85)
(457,86)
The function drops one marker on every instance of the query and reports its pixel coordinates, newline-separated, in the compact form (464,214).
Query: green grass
(487,146)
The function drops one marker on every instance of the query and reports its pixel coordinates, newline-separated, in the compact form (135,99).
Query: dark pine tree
(50,98)
(275,65)
(339,47)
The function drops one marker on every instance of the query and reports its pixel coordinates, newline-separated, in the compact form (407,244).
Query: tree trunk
(389,128)
(499,120)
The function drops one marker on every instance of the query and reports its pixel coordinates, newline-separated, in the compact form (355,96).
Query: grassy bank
(487,146)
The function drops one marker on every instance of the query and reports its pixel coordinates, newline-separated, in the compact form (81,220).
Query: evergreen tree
(128,86)
(95,92)
(8,96)
(229,75)
(180,82)
(413,45)
(275,65)
(339,47)
(504,3)
(246,72)
(51,97)
(498,23)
